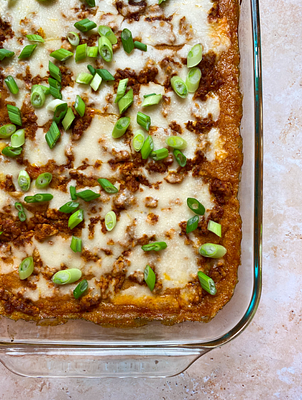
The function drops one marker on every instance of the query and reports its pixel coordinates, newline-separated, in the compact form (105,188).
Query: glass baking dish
(80,348)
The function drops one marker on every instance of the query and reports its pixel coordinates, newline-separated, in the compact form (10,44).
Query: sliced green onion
(73,38)
(105,49)
(155,246)
(37,97)
(90,3)
(105,75)
(212,250)
(107,186)
(54,83)
(52,106)
(79,106)
(11,84)
(125,101)
(5,54)
(55,71)
(91,69)
(110,220)
(107,32)
(180,157)
(120,127)
(26,268)
(61,54)
(22,216)
(7,130)
(214,227)
(80,289)
(179,87)
(88,195)
(147,148)
(45,89)
(138,140)
(194,56)
(76,244)
(43,180)
(143,120)
(53,135)
(160,1)
(127,40)
(96,82)
(14,114)
(73,192)
(55,87)
(75,219)
(192,224)
(85,25)
(140,46)
(69,207)
(27,51)
(19,206)
(195,206)
(66,276)
(193,79)
(18,138)
(176,142)
(80,53)
(84,78)
(12,152)
(121,89)
(35,38)
(160,154)
(151,100)
(60,112)
(149,277)
(38,198)
(24,181)
(92,52)
(207,283)
(68,119)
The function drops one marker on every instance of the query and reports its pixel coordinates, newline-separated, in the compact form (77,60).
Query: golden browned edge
(167,308)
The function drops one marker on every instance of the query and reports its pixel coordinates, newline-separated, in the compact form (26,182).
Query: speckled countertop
(265,362)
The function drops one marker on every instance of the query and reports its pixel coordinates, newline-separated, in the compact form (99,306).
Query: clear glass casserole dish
(80,348)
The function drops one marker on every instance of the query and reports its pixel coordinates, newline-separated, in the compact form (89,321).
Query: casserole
(81,349)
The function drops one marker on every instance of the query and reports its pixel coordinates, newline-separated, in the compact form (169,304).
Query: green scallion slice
(26,268)
(60,112)
(138,140)
(176,142)
(73,38)
(85,25)
(22,216)
(127,40)
(35,38)
(92,52)
(84,78)
(193,79)
(38,198)
(18,138)
(55,87)
(90,3)
(81,289)
(207,283)
(76,244)
(68,119)
(140,46)
(120,127)
(75,219)
(45,89)
(53,135)
(14,114)
(195,206)
(107,186)
(105,75)
(96,82)
(37,97)
(80,53)
(19,206)
(110,220)
(105,49)
(126,101)
(66,276)
(73,192)
(155,246)
(12,152)
(192,224)
(69,207)
(79,106)
(149,277)
(160,1)
(55,71)
(24,181)
(61,54)
(52,106)
(212,250)
(43,180)
(91,69)
(143,120)
(151,100)
(7,130)
(179,86)
(214,227)
(159,154)
(107,32)
(88,195)
(121,89)
(180,157)
(194,56)
(147,148)
(5,54)
(27,51)
(11,84)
